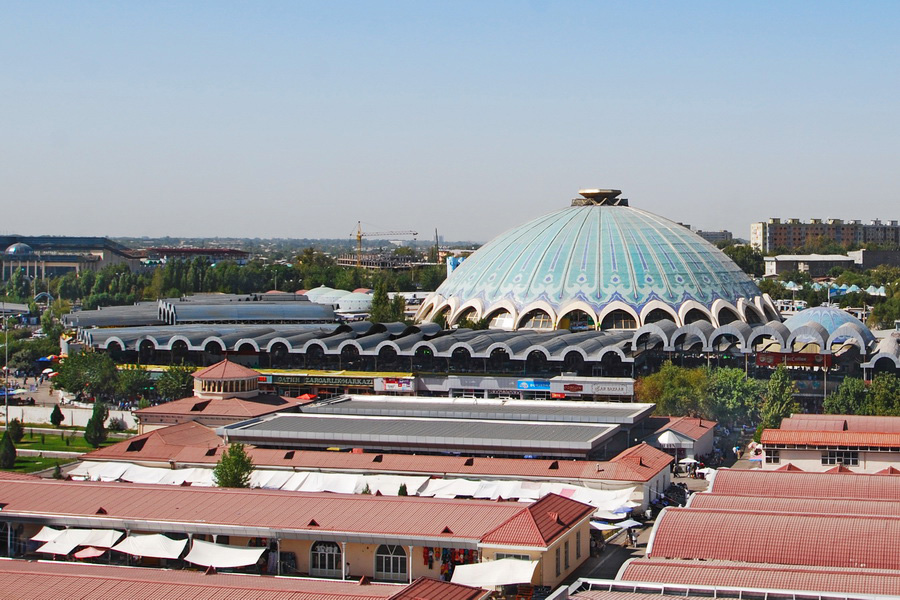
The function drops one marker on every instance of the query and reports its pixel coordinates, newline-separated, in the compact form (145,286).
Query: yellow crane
(360,234)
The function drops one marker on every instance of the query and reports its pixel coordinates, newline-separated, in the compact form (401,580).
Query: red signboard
(573,387)
(557,396)
(792,359)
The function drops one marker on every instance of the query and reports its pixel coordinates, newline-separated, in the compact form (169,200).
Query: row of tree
(118,285)
(724,395)
(95,375)
(880,397)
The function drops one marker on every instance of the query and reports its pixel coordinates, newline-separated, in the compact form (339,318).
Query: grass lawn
(53,441)
(30,464)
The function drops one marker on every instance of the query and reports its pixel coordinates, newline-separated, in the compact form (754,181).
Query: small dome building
(598,264)
(19,249)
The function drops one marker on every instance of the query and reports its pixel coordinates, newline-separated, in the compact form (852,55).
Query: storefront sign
(341,381)
(792,359)
(573,387)
(533,384)
(394,384)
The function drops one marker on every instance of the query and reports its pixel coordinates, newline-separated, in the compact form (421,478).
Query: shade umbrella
(628,524)
(687,461)
(89,552)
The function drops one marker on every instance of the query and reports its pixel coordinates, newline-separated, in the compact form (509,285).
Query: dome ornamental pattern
(599,257)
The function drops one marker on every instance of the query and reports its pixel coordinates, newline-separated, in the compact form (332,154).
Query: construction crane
(360,234)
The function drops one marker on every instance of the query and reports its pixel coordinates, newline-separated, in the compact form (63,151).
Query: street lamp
(5,364)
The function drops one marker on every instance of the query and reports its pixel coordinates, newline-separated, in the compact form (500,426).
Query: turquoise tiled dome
(830,318)
(592,256)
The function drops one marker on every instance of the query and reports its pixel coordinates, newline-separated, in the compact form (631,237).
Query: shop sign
(533,384)
(264,379)
(792,359)
(573,387)
(339,381)
(396,384)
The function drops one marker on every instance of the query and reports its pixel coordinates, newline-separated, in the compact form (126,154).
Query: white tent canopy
(506,571)
(69,539)
(154,545)
(46,534)
(601,526)
(218,556)
(670,439)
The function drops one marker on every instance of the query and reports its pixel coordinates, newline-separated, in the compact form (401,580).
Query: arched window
(390,563)
(695,316)
(325,560)
(576,320)
(726,315)
(501,320)
(657,314)
(537,319)
(618,319)
(470,314)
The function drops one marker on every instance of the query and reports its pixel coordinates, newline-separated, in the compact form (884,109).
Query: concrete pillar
(409,564)
(344,562)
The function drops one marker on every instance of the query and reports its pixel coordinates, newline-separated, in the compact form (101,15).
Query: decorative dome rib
(592,255)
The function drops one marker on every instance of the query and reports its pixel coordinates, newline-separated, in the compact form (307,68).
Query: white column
(409,564)
(344,561)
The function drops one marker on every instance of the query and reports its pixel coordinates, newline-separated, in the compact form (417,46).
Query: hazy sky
(297,119)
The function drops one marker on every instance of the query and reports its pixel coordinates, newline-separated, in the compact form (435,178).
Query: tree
(16,431)
(398,308)
(749,259)
(677,391)
(95,430)
(735,398)
(176,383)
(56,416)
(884,396)
(7,452)
(91,373)
(402,491)
(380,312)
(234,468)
(133,381)
(779,401)
(849,399)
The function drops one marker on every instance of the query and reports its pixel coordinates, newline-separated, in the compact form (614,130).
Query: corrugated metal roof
(689,426)
(798,484)
(855,423)
(813,506)
(786,538)
(739,574)
(830,438)
(225,370)
(432,589)
(238,408)
(469,408)
(296,513)
(541,523)
(26,580)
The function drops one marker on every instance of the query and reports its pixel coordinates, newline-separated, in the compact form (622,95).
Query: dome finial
(597,197)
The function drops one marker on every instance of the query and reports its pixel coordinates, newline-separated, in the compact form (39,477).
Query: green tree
(884,396)
(848,399)
(402,491)
(735,398)
(234,468)
(381,304)
(176,382)
(677,391)
(398,308)
(91,373)
(56,416)
(7,452)
(95,431)
(133,381)
(749,259)
(779,401)
(16,431)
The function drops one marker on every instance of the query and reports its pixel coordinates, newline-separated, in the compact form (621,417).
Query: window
(848,458)
(577,545)
(325,560)
(566,553)
(773,457)
(390,563)
(502,555)
(558,570)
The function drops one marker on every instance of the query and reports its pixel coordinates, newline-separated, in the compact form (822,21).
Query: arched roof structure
(597,256)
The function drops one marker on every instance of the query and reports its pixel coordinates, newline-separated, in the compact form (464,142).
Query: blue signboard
(533,384)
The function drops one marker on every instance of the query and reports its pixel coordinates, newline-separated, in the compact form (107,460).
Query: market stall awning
(206,554)
(46,534)
(90,552)
(506,571)
(603,526)
(69,539)
(153,545)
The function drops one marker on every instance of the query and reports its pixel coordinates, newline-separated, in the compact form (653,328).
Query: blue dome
(598,256)
(19,249)
(830,318)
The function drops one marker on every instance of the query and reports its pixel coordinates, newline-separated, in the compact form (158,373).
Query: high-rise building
(791,234)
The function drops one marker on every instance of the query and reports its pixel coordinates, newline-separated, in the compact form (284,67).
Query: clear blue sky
(297,119)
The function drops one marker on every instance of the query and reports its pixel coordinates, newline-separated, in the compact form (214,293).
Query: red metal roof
(12,475)
(293,511)
(25,580)
(689,426)
(541,523)
(639,463)
(777,538)
(724,573)
(829,438)
(432,589)
(855,423)
(225,370)
(242,408)
(793,484)
(813,506)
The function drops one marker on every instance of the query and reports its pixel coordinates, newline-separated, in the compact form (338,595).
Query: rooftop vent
(289,455)
(312,523)
(136,445)
(470,462)
(597,197)
(554,465)
(378,458)
(447,530)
